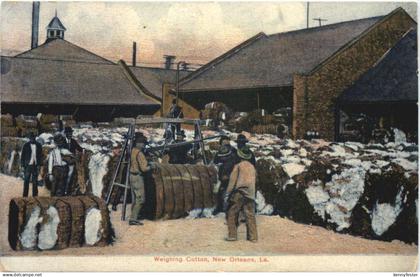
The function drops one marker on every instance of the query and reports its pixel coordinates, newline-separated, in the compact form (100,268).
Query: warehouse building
(306,70)
(59,77)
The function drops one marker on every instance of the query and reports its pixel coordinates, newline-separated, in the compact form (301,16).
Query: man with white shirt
(31,160)
(57,166)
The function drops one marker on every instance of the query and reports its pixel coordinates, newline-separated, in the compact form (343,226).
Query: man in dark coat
(225,159)
(241,142)
(71,144)
(31,160)
(175,112)
(179,154)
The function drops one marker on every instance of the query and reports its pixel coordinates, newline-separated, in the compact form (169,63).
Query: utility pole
(319,19)
(134,53)
(177,78)
(307,15)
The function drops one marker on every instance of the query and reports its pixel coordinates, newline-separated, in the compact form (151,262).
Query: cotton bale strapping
(172,191)
(46,223)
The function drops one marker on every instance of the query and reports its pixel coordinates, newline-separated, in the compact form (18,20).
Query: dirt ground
(277,236)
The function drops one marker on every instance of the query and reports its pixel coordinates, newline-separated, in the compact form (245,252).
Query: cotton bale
(172,191)
(46,223)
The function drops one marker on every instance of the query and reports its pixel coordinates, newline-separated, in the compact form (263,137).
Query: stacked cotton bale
(11,148)
(26,124)
(50,223)
(68,120)
(8,128)
(258,122)
(48,123)
(217,112)
(366,190)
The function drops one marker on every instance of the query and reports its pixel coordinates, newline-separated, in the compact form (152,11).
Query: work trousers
(237,203)
(30,172)
(137,187)
(221,196)
(60,178)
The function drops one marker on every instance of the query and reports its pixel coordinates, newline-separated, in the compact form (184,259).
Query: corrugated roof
(31,80)
(271,61)
(154,78)
(392,79)
(60,49)
(55,23)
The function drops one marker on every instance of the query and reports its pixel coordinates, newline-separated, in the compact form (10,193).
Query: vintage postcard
(208,136)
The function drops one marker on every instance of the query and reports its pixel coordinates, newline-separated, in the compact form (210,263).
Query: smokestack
(134,53)
(35,24)
(169,60)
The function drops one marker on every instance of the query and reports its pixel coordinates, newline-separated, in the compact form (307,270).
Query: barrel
(173,190)
(47,223)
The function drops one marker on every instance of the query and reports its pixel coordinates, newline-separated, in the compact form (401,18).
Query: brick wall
(315,93)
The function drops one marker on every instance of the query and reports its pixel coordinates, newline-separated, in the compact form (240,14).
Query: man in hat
(138,168)
(175,112)
(225,159)
(73,146)
(31,160)
(240,196)
(57,166)
(241,142)
(179,154)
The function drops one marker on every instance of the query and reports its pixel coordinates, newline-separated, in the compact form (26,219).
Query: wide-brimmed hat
(244,153)
(59,139)
(224,151)
(68,130)
(140,138)
(241,138)
(222,138)
(180,134)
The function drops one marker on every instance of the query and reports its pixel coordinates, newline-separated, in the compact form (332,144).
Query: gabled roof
(154,78)
(33,80)
(392,79)
(55,23)
(271,61)
(60,49)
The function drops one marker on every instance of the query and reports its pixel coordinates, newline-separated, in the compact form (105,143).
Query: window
(51,33)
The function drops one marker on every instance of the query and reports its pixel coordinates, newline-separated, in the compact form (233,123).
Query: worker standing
(31,160)
(138,167)
(241,142)
(179,154)
(73,146)
(175,112)
(225,159)
(57,166)
(240,196)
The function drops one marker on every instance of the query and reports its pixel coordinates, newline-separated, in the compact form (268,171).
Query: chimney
(35,24)
(169,60)
(134,53)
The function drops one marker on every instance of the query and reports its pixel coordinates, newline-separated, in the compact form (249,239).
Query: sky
(196,32)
